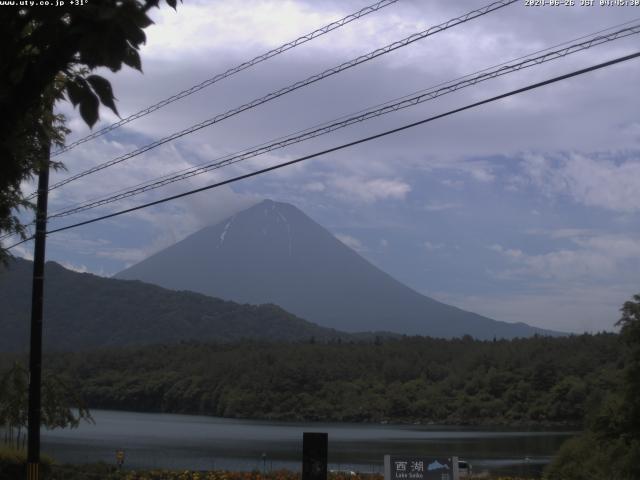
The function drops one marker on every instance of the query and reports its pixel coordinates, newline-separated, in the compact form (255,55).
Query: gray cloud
(567,127)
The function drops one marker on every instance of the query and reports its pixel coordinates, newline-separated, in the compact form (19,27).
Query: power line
(17,243)
(405,102)
(486,69)
(232,71)
(350,144)
(274,144)
(295,86)
(11,234)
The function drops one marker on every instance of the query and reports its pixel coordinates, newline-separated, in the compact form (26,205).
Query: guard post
(119,458)
(314,455)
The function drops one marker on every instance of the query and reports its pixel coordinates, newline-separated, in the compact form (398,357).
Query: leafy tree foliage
(630,335)
(57,398)
(610,448)
(44,46)
(31,148)
(414,379)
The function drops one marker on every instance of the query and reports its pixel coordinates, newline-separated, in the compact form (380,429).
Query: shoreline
(567,427)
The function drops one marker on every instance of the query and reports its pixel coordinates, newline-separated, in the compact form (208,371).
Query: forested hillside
(540,380)
(86,311)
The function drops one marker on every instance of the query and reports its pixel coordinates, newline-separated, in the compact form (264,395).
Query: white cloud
(369,191)
(314,187)
(480,174)
(169,222)
(558,233)
(200,27)
(479,170)
(351,242)
(174,224)
(452,183)
(23,251)
(594,258)
(507,252)
(75,268)
(432,247)
(591,181)
(438,207)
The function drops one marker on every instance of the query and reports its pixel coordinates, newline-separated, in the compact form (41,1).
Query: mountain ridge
(84,311)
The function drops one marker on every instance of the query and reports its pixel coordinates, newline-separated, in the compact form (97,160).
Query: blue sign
(420,468)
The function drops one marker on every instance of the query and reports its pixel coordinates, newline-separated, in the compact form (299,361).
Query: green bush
(13,463)
(590,457)
(95,471)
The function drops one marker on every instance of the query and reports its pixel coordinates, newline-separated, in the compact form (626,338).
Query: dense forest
(609,446)
(87,311)
(536,381)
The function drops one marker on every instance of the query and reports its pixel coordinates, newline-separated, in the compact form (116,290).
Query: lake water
(203,443)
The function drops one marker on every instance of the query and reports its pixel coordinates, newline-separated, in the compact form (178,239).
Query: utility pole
(37,294)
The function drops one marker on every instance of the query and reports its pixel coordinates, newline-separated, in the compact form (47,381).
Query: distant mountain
(84,311)
(273,253)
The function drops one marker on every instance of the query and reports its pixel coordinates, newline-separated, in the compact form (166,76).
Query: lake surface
(201,443)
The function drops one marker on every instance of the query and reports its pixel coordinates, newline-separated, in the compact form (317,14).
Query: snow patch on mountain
(288,225)
(224,232)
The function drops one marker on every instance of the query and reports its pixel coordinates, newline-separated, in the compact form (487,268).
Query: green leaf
(132,58)
(135,15)
(89,108)
(143,21)
(103,88)
(106,12)
(74,92)
(16,75)
(134,34)
(80,93)
(114,51)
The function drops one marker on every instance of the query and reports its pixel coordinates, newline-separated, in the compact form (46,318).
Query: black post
(35,352)
(314,455)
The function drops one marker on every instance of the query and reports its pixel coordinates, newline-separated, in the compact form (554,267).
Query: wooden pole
(37,297)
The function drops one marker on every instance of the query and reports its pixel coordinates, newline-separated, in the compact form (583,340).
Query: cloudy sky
(525,209)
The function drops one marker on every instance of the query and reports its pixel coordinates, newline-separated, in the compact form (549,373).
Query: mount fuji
(274,253)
